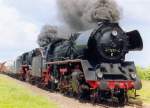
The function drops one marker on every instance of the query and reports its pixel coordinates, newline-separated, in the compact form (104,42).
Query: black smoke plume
(47,35)
(50,33)
(84,14)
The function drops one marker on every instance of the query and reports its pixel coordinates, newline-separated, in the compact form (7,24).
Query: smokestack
(84,14)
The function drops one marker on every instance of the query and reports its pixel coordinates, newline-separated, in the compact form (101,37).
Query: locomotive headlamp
(114,33)
(99,74)
(133,75)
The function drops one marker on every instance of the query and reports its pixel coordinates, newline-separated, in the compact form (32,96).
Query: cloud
(16,34)
(137,10)
(39,11)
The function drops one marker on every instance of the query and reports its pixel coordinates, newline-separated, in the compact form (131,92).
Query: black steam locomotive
(90,64)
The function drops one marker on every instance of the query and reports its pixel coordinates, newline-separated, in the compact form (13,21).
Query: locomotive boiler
(91,64)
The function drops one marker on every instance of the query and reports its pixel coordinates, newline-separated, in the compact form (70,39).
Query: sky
(22,20)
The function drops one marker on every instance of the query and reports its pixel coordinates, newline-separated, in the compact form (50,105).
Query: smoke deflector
(135,41)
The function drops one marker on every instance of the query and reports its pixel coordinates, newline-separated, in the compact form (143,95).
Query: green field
(145,91)
(13,95)
(144,74)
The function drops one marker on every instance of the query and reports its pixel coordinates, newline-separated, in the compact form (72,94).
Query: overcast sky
(21,21)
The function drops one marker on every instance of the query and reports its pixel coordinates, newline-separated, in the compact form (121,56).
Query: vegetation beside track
(144,93)
(13,95)
(144,74)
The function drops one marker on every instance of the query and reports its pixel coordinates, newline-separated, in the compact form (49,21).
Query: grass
(14,96)
(144,74)
(145,91)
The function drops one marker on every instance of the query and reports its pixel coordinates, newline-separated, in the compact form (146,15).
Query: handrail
(64,62)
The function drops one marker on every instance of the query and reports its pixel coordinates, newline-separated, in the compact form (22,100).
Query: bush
(144,73)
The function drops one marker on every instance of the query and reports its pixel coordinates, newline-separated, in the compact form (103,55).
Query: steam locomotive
(90,64)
